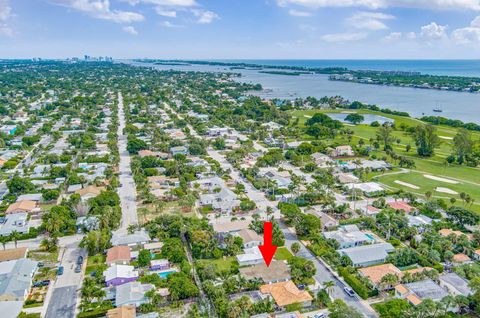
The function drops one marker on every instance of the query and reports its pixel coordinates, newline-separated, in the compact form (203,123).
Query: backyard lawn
(283,254)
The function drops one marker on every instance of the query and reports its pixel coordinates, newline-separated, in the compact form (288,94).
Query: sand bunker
(446,190)
(440,179)
(307,116)
(445,137)
(407,184)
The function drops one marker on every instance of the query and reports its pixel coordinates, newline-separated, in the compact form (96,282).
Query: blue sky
(241,29)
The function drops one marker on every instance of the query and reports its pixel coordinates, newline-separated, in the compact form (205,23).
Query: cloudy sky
(241,29)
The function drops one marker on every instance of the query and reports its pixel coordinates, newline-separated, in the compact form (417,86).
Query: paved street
(63,299)
(63,303)
(324,275)
(127,190)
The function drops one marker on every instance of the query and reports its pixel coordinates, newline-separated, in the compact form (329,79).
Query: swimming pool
(370,236)
(165,274)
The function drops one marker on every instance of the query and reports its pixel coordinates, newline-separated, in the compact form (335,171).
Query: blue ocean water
(432,67)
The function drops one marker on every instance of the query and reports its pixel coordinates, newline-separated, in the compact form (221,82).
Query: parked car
(60,271)
(78,268)
(321,315)
(349,291)
(80,260)
(41,283)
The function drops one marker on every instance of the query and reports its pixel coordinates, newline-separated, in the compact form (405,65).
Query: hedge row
(354,282)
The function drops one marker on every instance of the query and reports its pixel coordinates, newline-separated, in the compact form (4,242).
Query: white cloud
(393,37)
(5,16)
(376,4)
(307,28)
(344,37)
(205,17)
(434,31)
(369,20)
(298,13)
(130,29)
(468,35)
(100,9)
(168,24)
(166,13)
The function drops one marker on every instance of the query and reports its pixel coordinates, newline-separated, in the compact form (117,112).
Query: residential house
(401,205)
(27,206)
(342,151)
(137,238)
(154,247)
(117,275)
(322,160)
(159,264)
(370,189)
(8,129)
(278,271)
(37,197)
(230,227)
(89,192)
(17,222)
(286,293)
(16,279)
(119,255)
(416,292)
(368,255)
(180,150)
(375,273)
(122,312)
(225,200)
(461,259)
(250,238)
(419,221)
(454,284)
(373,165)
(132,293)
(349,236)
(250,256)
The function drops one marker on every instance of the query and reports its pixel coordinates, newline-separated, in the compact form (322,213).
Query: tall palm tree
(328,285)
(15,236)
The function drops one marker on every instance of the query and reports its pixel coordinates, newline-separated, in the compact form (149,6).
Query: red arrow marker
(267,249)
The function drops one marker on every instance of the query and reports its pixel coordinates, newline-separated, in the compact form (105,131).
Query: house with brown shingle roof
(119,255)
(122,312)
(13,254)
(286,293)
(26,206)
(89,192)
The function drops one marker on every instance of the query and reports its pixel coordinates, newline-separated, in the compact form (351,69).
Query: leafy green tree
(355,118)
(338,309)
(144,258)
(426,140)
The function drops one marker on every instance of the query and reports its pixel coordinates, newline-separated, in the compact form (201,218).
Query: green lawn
(468,177)
(45,257)
(94,263)
(222,264)
(283,254)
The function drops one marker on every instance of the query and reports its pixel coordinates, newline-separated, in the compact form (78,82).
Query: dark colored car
(78,268)
(80,260)
(60,271)
(41,283)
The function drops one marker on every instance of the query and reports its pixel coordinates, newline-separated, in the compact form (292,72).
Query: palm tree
(328,285)
(4,240)
(15,236)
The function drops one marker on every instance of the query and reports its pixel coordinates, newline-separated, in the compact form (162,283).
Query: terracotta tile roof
(401,289)
(447,232)
(122,312)
(26,206)
(418,270)
(285,293)
(461,258)
(376,273)
(413,299)
(13,254)
(118,253)
(400,205)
